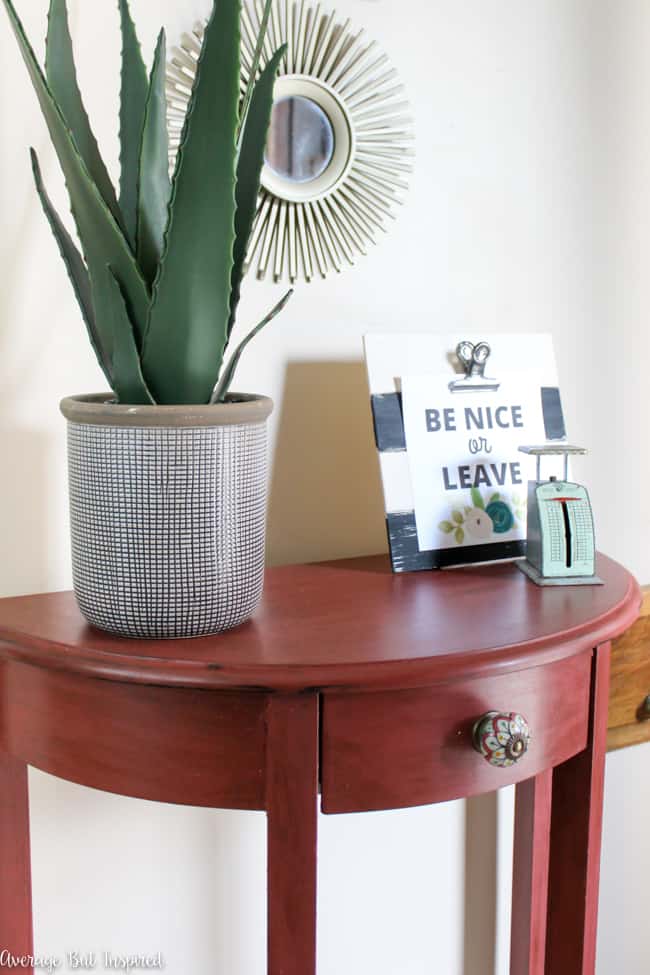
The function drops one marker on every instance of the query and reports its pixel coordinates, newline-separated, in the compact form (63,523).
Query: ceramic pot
(167,513)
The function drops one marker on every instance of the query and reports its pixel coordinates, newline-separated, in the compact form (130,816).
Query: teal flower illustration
(501,515)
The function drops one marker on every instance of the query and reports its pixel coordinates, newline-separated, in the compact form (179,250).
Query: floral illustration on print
(481,519)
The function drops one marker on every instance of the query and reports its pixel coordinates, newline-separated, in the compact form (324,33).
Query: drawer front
(388,750)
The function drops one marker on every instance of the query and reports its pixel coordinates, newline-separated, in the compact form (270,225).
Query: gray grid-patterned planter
(168,514)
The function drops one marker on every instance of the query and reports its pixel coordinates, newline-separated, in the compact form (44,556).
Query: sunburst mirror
(340,144)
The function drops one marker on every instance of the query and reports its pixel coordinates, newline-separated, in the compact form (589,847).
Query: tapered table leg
(576,823)
(291,805)
(530,875)
(15,872)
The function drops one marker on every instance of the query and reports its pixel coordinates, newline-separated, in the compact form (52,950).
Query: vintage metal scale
(560,548)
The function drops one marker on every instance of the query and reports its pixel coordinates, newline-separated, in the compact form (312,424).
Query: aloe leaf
(77,272)
(249,168)
(154,185)
(226,378)
(257,54)
(188,323)
(62,80)
(133,101)
(128,382)
(102,240)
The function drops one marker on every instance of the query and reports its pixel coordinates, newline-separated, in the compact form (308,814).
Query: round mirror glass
(300,145)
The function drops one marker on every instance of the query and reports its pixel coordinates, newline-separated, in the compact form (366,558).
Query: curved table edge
(409,673)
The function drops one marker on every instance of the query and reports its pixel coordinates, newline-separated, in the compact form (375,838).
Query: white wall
(528,213)
(621,82)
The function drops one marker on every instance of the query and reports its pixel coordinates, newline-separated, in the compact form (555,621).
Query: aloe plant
(159,278)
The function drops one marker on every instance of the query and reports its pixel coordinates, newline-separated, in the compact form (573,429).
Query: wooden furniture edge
(407,673)
(637,732)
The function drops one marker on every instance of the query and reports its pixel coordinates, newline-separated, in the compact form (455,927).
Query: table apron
(178,745)
(379,749)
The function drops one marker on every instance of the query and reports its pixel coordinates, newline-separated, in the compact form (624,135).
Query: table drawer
(385,750)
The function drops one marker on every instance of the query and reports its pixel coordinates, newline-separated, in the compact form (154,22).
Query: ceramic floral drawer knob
(502,738)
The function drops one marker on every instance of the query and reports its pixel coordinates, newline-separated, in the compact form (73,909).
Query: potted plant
(168,471)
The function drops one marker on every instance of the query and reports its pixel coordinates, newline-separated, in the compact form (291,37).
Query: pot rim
(100,409)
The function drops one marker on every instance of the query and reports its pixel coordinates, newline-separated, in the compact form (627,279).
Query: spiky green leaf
(62,80)
(249,167)
(188,324)
(128,382)
(133,101)
(252,77)
(227,376)
(154,185)
(77,272)
(102,240)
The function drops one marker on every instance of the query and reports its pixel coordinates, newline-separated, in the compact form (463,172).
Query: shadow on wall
(480,928)
(325,493)
(23,510)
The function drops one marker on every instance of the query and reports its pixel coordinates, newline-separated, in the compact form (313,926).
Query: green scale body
(560,530)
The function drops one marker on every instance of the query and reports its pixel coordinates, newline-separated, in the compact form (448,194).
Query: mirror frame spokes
(312,227)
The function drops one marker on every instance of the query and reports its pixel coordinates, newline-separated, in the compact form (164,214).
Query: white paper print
(469,480)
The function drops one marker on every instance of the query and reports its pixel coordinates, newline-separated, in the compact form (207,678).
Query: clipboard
(429,512)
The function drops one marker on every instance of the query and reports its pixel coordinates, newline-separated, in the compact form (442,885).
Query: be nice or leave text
(482,475)
(477,419)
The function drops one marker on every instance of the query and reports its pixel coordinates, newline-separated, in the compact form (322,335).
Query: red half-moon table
(353,687)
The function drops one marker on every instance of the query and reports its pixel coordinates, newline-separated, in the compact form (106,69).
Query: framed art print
(455,483)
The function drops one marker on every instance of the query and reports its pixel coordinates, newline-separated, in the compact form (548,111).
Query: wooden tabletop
(351,624)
